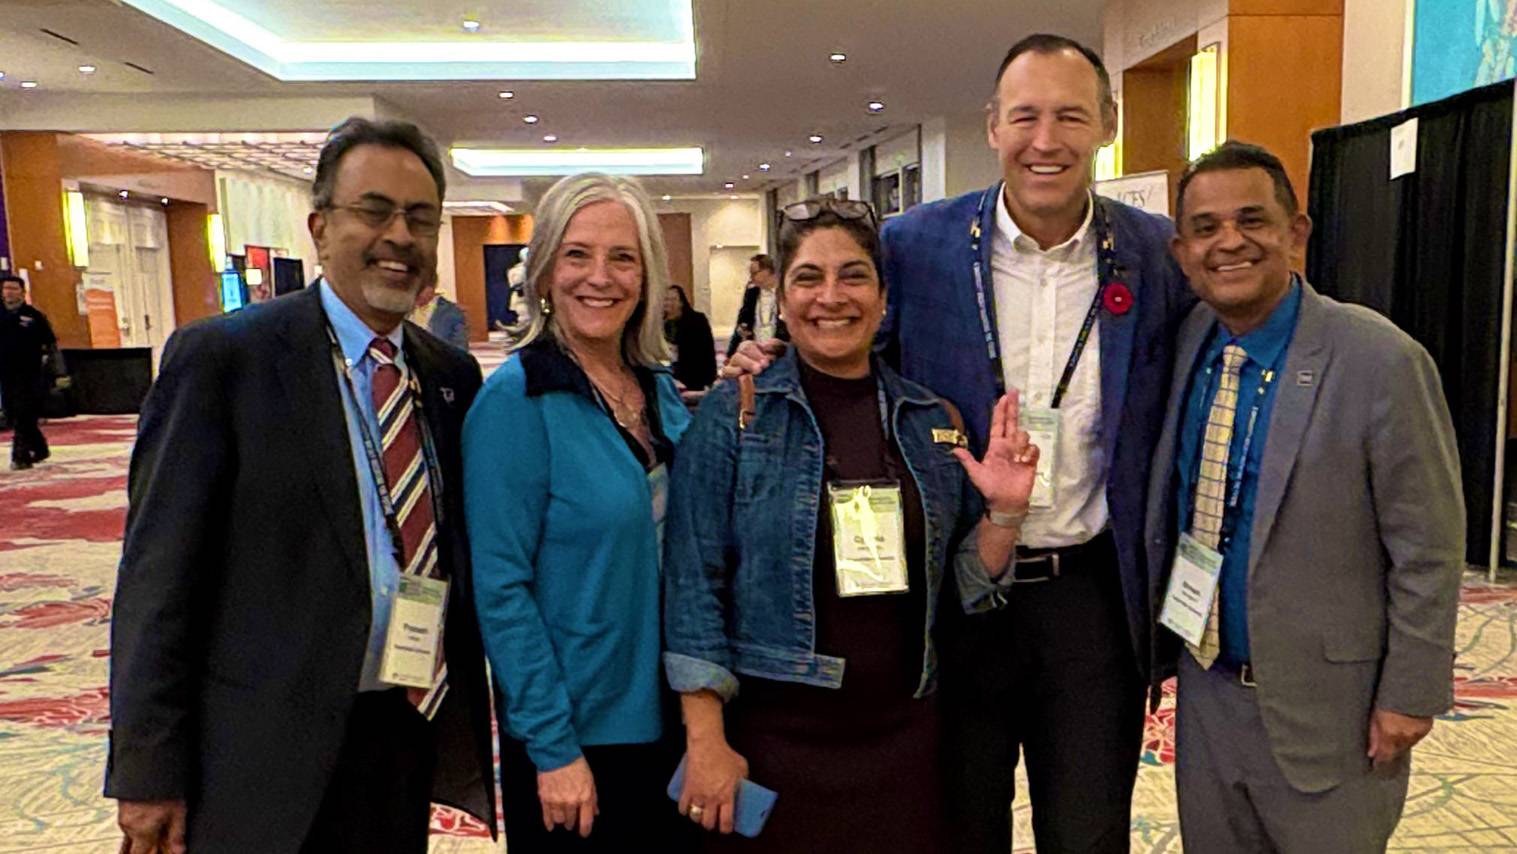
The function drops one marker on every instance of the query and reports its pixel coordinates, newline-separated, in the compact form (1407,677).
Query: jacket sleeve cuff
(688,674)
(978,592)
(145,772)
(1417,679)
(553,755)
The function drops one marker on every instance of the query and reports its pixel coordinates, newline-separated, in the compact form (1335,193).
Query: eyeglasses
(421,221)
(810,209)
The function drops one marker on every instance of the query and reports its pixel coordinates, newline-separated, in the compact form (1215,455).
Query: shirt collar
(353,335)
(1263,345)
(1008,228)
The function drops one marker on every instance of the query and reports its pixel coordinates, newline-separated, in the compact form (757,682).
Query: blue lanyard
(1106,265)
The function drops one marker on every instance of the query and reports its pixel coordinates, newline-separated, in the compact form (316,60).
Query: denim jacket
(741,534)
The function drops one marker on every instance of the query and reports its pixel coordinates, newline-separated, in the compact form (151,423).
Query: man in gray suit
(1306,535)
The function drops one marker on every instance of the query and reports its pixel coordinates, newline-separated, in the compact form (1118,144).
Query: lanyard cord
(1106,266)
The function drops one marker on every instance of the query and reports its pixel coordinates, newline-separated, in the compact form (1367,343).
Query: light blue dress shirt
(353,337)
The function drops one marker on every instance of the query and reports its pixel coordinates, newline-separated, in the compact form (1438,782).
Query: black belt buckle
(1050,558)
(1246,676)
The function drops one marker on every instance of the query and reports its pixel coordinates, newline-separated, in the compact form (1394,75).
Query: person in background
(26,340)
(293,546)
(566,460)
(1039,285)
(688,334)
(759,318)
(802,658)
(1306,531)
(441,316)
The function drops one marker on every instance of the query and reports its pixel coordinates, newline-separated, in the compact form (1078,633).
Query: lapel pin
(447,393)
(1305,378)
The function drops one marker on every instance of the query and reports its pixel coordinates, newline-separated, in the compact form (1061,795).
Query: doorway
(129,273)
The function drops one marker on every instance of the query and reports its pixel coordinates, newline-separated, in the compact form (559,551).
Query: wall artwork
(1461,44)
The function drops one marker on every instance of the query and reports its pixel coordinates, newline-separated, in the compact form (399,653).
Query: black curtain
(1428,250)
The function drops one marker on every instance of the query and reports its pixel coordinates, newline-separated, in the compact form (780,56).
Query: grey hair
(643,337)
(356,131)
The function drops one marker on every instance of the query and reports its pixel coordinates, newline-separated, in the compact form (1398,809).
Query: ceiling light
(123,194)
(533,162)
(164,200)
(745,177)
(530,119)
(734,197)
(308,170)
(2,75)
(87,69)
(763,167)
(876,106)
(28,84)
(471,26)
(729,185)
(506,95)
(666,197)
(789,153)
(837,57)
(814,139)
(550,137)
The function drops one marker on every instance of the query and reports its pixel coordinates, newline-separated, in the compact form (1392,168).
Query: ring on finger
(696,811)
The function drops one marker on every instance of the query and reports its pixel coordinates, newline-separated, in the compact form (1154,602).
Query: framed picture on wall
(887,194)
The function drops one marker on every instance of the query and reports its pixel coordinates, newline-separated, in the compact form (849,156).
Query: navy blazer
(933,335)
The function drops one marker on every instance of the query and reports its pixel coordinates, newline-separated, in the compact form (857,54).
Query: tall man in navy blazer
(260,568)
(1308,456)
(991,291)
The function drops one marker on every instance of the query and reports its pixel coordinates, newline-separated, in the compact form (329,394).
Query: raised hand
(1005,475)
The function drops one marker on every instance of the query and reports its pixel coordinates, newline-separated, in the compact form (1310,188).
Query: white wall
(835,177)
(726,222)
(445,272)
(261,210)
(896,152)
(1374,36)
(955,156)
(728,269)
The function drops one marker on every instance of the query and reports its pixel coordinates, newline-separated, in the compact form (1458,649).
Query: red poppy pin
(1118,299)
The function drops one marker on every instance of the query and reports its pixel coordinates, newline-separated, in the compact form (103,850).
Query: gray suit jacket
(1358,537)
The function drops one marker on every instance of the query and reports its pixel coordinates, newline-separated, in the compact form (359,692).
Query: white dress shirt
(1042,297)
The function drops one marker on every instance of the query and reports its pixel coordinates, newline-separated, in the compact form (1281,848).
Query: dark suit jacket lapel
(1117,333)
(318,425)
(1310,351)
(1160,523)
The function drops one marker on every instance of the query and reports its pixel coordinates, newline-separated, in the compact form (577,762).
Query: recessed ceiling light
(530,119)
(308,170)
(2,75)
(666,197)
(28,84)
(505,95)
(550,137)
(789,153)
(526,162)
(729,185)
(164,200)
(764,167)
(837,57)
(720,246)
(814,139)
(471,25)
(732,197)
(745,177)
(123,194)
(876,106)
(87,69)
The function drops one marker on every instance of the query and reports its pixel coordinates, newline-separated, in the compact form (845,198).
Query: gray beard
(390,300)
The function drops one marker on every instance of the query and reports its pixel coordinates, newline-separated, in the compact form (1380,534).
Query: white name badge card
(416,621)
(1192,588)
(868,538)
(1042,426)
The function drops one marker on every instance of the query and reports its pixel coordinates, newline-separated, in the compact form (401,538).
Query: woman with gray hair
(566,456)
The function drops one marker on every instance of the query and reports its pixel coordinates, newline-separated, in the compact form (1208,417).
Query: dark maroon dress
(856,767)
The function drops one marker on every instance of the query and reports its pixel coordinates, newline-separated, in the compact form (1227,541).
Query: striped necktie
(1209,501)
(410,491)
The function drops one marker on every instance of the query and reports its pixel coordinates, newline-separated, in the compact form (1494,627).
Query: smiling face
(1046,123)
(1235,242)
(833,302)
(596,280)
(377,266)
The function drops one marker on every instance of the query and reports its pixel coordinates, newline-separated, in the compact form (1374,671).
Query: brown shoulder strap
(955,418)
(746,403)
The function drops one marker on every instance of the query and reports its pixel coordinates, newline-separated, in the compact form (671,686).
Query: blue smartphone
(754,802)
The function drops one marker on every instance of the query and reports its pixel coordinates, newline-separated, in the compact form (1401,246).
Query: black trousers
(631,781)
(1054,674)
(22,408)
(379,800)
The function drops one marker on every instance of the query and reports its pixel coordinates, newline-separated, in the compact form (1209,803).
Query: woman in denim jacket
(807,546)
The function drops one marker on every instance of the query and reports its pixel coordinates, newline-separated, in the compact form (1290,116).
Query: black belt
(1035,565)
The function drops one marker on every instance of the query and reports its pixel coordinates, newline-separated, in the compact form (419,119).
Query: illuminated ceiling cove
(346,40)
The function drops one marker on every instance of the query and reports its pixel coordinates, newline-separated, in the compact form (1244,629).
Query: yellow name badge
(946,436)
(868,538)
(415,631)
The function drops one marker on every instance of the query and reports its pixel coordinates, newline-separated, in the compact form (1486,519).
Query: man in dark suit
(295,483)
(26,341)
(758,319)
(1309,473)
(991,291)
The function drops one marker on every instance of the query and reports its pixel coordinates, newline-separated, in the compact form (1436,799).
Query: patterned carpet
(61,540)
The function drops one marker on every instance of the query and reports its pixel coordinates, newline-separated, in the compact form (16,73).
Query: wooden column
(196,289)
(470,236)
(34,208)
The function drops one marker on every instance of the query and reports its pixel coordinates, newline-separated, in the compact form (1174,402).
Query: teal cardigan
(566,558)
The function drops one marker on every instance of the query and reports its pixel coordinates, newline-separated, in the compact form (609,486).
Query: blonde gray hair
(643,336)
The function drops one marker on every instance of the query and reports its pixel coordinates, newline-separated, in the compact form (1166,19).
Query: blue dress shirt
(1266,348)
(353,337)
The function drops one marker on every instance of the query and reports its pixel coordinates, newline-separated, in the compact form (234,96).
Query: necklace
(628,415)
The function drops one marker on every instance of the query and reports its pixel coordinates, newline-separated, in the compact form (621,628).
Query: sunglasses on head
(810,209)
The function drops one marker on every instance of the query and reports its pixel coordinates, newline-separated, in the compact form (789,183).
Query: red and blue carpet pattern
(60,541)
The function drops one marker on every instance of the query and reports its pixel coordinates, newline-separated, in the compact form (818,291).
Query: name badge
(868,538)
(1043,426)
(415,631)
(1192,589)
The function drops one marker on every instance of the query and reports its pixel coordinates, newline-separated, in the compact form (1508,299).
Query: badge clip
(949,436)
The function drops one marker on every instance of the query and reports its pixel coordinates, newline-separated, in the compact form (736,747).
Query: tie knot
(383,351)
(1232,357)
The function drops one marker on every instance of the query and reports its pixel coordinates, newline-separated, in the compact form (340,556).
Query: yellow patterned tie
(1210,498)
